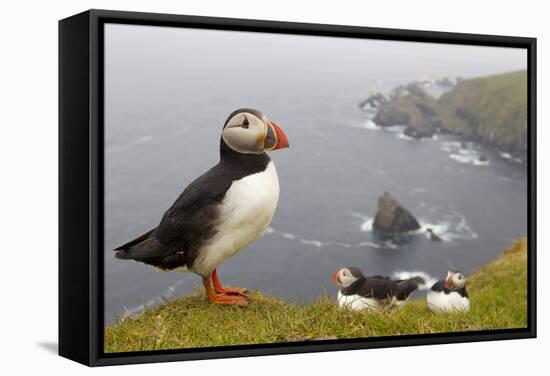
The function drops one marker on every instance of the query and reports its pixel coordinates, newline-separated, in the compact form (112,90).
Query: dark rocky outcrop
(373,102)
(445,82)
(413,107)
(392,219)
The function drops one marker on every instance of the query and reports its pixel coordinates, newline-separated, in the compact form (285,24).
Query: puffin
(449,295)
(359,292)
(222,211)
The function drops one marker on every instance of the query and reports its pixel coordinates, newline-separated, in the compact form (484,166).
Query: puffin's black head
(248,131)
(346,276)
(455,280)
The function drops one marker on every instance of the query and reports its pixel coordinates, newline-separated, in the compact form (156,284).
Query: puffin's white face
(252,133)
(345,277)
(455,280)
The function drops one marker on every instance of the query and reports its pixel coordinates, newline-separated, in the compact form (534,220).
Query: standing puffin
(222,211)
(359,292)
(450,294)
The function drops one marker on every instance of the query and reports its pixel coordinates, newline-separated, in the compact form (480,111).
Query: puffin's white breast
(245,213)
(357,302)
(439,302)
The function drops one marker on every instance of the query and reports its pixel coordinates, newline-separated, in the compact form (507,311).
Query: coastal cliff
(491,110)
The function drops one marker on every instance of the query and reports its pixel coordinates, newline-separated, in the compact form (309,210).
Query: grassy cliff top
(495,106)
(498,293)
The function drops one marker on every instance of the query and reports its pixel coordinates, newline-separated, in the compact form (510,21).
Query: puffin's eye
(245,123)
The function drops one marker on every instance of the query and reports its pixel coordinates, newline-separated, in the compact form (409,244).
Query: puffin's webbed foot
(230,299)
(226,290)
(222,298)
(232,291)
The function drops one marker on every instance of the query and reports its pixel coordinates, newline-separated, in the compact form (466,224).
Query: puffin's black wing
(438,286)
(135,242)
(184,227)
(382,288)
(129,250)
(405,287)
(377,287)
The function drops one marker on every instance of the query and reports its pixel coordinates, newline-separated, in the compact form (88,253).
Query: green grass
(493,108)
(498,293)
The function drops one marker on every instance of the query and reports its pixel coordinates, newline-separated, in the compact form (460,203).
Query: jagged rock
(399,92)
(419,133)
(416,109)
(445,82)
(432,235)
(392,219)
(373,102)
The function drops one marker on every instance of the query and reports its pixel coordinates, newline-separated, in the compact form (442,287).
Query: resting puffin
(222,211)
(450,294)
(359,292)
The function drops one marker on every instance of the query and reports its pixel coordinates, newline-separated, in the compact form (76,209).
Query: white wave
(452,225)
(429,281)
(471,152)
(451,144)
(506,155)
(372,125)
(270,230)
(395,128)
(464,152)
(403,136)
(366,226)
(463,229)
(315,243)
(462,158)
(343,245)
(117,148)
(441,229)
(288,235)
(368,244)
(390,244)
(472,159)
(481,163)
(366,221)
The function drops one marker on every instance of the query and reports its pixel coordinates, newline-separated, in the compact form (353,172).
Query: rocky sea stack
(392,219)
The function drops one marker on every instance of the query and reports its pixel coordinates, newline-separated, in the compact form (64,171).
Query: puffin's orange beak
(448,281)
(335,278)
(276,138)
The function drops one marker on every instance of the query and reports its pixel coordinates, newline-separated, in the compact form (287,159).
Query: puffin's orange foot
(233,291)
(230,299)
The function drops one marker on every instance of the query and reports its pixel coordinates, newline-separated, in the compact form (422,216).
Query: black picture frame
(81,185)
